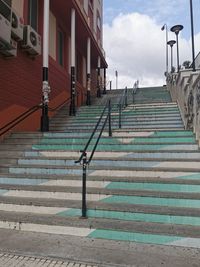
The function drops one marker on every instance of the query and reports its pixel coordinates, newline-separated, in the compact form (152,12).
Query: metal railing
(105,117)
(10,125)
(123,102)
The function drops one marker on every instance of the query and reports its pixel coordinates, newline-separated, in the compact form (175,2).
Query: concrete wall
(185,89)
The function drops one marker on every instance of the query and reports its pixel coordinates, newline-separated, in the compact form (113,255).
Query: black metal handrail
(83,157)
(26,114)
(123,102)
(19,119)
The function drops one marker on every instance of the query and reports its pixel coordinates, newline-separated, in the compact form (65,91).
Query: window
(98,22)
(33,14)
(61,43)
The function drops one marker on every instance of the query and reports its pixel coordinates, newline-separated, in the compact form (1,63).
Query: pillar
(45,70)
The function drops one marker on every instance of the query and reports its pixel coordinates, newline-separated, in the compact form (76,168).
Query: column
(88,100)
(99,78)
(72,110)
(45,70)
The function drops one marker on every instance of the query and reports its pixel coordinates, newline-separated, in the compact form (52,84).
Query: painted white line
(132,134)
(54,195)
(51,229)
(76,183)
(142,174)
(186,242)
(125,140)
(31,209)
(180,165)
(59,154)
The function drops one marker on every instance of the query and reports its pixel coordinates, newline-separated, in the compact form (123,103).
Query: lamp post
(171,43)
(176,29)
(167,60)
(192,37)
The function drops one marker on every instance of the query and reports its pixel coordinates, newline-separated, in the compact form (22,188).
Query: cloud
(135,46)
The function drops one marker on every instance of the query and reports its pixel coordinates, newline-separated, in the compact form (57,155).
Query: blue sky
(134,42)
(163,11)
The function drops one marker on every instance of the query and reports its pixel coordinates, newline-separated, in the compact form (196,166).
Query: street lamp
(167,61)
(192,33)
(176,29)
(171,43)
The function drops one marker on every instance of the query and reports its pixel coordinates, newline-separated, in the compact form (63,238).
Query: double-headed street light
(171,44)
(176,29)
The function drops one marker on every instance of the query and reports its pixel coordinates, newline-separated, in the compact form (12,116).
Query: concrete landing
(78,252)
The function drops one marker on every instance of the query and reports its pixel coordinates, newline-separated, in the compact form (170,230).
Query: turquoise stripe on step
(172,133)
(171,202)
(133,237)
(3,191)
(175,140)
(129,216)
(155,187)
(127,147)
(22,181)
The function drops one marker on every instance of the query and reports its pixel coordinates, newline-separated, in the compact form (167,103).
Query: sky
(134,44)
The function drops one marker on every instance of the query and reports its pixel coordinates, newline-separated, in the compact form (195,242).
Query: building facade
(75,45)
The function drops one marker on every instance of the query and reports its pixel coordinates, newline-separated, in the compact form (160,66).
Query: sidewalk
(11,260)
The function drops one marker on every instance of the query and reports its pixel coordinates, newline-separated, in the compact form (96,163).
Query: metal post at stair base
(110,85)
(72,108)
(88,97)
(109,118)
(104,81)
(84,204)
(44,123)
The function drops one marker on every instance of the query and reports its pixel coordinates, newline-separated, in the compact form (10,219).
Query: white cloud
(135,46)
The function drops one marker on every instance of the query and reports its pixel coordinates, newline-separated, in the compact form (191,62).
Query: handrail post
(133,96)
(109,118)
(84,204)
(120,115)
(126,97)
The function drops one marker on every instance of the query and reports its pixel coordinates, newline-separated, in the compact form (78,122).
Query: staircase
(143,184)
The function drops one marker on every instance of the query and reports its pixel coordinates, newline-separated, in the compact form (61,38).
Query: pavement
(38,249)
(14,260)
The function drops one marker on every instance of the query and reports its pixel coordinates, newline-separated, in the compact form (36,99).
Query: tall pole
(45,70)
(116,74)
(72,110)
(192,33)
(171,43)
(88,100)
(171,58)
(176,29)
(177,46)
(167,55)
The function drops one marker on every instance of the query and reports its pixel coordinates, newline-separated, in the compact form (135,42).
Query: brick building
(21,49)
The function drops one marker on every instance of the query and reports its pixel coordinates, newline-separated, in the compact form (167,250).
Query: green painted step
(130,216)
(171,202)
(162,187)
(134,237)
